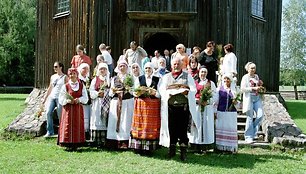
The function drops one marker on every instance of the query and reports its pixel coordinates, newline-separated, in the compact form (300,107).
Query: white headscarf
(150,65)
(104,65)
(140,71)
(120,62)
(83,65)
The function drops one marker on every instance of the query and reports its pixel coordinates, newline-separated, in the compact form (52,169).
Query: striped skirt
(226,131)
(146,119)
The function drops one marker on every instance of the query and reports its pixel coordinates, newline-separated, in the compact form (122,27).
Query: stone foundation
(278,125)
(28,121)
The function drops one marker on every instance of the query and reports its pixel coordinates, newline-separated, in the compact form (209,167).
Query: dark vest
(142,81)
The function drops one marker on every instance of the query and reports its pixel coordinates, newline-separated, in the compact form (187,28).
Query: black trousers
(178,118)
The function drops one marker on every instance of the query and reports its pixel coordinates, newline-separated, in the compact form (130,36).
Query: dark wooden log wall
(58,37)
(93,22)
(254,39)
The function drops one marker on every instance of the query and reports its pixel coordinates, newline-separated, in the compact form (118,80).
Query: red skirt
(71,130)
(146,119)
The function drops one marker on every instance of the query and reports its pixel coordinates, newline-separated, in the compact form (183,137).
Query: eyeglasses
(178,48)
(55,66)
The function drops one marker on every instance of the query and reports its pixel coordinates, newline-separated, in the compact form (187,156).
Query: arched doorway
(159,41)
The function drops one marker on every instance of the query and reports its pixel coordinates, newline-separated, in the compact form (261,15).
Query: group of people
(147,104)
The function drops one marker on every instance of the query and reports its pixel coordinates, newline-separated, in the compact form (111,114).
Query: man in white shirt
(135,54)
(107,57)
(155,59)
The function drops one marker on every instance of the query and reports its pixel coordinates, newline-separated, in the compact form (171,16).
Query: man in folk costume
(177,102)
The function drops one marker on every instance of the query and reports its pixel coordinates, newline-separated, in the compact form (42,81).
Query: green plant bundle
(206,94)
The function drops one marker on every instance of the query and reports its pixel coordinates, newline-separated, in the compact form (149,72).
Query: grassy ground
(297,110)
(44,156)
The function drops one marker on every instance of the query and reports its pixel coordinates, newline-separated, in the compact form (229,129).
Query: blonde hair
(247,65)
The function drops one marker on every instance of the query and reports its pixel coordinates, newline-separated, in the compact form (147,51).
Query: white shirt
(57,81)
(148,80)
(135,56)
(155,61)
(229,63)
(107,57)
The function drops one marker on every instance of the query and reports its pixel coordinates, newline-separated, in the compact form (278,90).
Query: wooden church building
(252,26)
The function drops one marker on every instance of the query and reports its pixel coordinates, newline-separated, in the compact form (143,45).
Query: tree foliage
(293,50)
(17,41)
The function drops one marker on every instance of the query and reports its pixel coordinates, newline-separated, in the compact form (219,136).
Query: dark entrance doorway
(159,41)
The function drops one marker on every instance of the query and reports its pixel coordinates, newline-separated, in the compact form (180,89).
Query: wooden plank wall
(253,39)
(57,38)
(93,22)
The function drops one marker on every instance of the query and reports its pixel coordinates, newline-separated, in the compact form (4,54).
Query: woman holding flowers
(204,134)
(136,71)
(251,86)
(226,122)
(121,108)
(99,93)
(146,118)
(73,94)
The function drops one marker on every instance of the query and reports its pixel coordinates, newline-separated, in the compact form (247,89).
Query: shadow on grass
(11,99)
(239,160)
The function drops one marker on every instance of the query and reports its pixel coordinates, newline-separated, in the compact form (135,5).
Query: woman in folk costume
(73,94)
(252,102)
(136,72)
(121,109)
(99,93)
(177,91)
(226,122)
(204,134)
(146,118)
(83,70)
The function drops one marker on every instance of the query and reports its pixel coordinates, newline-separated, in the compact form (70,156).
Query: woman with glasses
(57,80)
(209,59)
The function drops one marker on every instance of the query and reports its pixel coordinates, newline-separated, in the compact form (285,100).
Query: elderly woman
(121,109)
(226,123)
(136,71)
(181,54)
(83,71)
(99,93)
(73,94)
(161,70)
(146,118)
(204,134)
(250,84)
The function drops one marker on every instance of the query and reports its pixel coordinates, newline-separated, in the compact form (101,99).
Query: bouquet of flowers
(128,82)
(206,94)
(102,87)
(143,90)
(41,109)
(235,100)
(68,96)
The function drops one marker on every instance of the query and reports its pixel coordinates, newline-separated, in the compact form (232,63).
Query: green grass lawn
(42,155)
(297,111)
